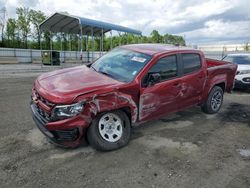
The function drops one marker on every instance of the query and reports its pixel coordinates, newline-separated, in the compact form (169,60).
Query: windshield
(242,60)
(121,64)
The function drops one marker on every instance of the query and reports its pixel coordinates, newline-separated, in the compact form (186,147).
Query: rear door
(193,79)
(161,98)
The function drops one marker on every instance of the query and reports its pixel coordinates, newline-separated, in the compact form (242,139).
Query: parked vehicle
(242,79)
(130,85)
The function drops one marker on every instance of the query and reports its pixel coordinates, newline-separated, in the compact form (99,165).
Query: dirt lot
(186,149)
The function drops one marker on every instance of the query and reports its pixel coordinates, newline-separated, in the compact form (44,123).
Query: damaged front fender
(107,102)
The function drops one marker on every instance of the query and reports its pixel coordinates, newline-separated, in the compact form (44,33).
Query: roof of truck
(152,49)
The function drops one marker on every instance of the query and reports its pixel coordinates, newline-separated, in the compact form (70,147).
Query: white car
(242,79)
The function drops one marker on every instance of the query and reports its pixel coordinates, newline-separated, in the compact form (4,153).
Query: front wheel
(214,101)
(109,131)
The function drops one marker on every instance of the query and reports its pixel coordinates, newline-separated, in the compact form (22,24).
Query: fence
(34,56)
(220,54)
(8,55)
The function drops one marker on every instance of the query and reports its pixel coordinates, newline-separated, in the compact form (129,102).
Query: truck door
(193,79)
(160,96)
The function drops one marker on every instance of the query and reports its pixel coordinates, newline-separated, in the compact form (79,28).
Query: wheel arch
(222,85)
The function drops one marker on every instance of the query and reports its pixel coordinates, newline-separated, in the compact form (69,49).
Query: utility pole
(2,21)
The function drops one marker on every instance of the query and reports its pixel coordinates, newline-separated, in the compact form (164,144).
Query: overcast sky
(210,21)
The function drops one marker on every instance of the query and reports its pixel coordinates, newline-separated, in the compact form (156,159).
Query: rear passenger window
(191,62)
(167,67)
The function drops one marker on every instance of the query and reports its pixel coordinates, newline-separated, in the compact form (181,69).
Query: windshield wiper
(93,68)
(105,73)
(102,72)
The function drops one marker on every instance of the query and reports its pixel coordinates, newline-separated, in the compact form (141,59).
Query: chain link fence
(12,55)
(220,54)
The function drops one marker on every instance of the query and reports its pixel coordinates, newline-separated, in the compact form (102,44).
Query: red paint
(102,93)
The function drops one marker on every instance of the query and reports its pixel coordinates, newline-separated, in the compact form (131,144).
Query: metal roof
(62,22)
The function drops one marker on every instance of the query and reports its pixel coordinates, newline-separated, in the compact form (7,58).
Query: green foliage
(23,32)
(156,37)
(246,46)
(36,17)
(23,24)
(11,30)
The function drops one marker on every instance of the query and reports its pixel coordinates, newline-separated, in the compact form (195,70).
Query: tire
(214,101)
(109,131)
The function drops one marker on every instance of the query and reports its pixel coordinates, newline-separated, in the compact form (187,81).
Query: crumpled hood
(63,86)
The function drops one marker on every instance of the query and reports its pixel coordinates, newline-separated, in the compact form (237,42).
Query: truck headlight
(244,72)
(66,111)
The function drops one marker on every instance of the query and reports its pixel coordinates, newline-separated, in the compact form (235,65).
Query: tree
(173,39)
(36,17)
(25,30)
(23,22)
(156,37)
(246,46)
(11,31)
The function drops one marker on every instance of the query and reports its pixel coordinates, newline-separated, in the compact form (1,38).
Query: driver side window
(166,67)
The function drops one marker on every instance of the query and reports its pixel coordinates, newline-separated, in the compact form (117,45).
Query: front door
(160,98)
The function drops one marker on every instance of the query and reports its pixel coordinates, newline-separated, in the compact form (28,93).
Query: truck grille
(42,113)
(45,101)
(39,110)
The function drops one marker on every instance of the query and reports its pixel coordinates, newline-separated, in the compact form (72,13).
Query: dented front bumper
(65,133)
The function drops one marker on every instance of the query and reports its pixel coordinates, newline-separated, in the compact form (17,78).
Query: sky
(198,21)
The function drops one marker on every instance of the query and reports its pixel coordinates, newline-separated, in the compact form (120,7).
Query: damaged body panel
(142,82)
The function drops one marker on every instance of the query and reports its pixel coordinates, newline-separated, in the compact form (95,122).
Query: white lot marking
(244,152)
(155,142)
(67,154)
(36,138)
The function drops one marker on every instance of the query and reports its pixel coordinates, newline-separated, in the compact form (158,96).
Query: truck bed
(221,70)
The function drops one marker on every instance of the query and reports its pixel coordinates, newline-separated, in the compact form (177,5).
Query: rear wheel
(214,101)
(109,131)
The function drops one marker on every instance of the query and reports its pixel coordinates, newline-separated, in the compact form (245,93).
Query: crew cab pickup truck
(129,85)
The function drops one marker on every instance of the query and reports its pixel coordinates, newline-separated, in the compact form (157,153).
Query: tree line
(23,32)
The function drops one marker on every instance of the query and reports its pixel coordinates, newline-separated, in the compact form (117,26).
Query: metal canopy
(65,23)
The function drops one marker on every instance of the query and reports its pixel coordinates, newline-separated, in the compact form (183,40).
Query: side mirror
(153,78)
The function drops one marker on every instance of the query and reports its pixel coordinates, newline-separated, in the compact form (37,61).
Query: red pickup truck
(127,86)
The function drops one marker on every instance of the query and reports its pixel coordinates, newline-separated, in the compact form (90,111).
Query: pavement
(185,149)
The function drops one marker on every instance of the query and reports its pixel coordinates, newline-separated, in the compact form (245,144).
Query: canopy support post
(69,38)
(81,43)
(51,48)
(87,49)
(102,41)
(111,45)
(40,45)
(92,45)
(61,38)
(127,37)
(119,33)
(100,46)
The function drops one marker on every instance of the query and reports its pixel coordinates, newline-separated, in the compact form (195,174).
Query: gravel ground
(185,149)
